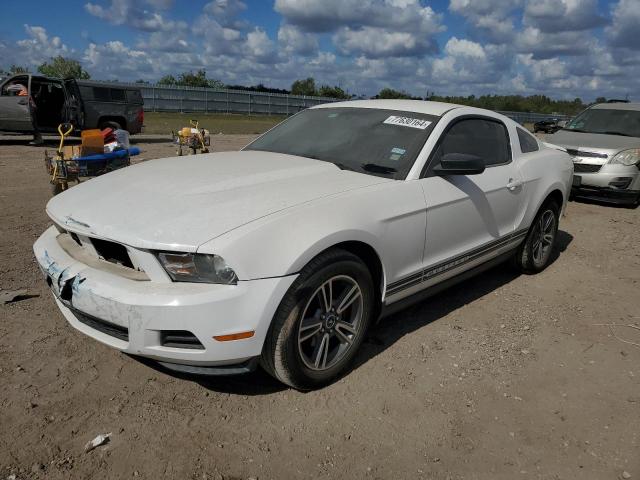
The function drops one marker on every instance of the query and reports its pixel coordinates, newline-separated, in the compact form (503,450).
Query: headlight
(627,157)
(197,267)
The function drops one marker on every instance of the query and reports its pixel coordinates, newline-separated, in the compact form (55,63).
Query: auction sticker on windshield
(407,122)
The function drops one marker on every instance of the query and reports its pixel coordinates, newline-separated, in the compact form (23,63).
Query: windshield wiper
(617,133)
(575,130)
(372,167)
(342,166)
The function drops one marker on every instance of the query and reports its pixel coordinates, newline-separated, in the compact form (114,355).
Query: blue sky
(562,48)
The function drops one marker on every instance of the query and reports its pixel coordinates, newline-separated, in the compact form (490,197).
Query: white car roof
(617,106)
(418,106)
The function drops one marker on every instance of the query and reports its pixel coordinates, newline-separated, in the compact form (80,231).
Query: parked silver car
(604,141)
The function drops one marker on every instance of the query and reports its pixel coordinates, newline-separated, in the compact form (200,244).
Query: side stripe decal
(453,262)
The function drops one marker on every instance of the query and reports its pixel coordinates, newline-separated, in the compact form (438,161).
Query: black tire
(535,253)
(56,188)
(110,124)
(286,355)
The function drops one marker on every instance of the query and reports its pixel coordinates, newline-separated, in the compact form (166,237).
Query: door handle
(513,184)
(22,102)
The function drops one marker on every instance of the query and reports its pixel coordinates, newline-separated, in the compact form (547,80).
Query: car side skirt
(423,294)
(452,267)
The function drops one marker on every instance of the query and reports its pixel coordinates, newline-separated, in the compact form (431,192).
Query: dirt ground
(504,376)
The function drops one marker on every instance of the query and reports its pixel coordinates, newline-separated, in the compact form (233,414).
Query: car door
(470,218)
(73,111)
(15,115)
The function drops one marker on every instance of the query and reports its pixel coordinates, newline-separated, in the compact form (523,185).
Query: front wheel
(534,254)
(321,322)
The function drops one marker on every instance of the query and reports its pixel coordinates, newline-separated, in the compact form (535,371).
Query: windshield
(607,121)
(366,140)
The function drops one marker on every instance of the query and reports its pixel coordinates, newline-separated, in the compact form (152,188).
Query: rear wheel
(110,124)
(321,322)
(534,254)
(56,188)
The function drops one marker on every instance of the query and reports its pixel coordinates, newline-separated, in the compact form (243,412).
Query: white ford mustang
(284,253)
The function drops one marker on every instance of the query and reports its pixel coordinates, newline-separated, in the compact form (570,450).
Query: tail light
(140,117)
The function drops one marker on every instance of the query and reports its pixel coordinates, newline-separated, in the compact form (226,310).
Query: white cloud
(548,45)
(259,45)
(553,47)
(491,19)
(554,16)
(464,48)
(133,14)
(293,40)
(40,47)
(623,31)
(468,65)
(375,42)
(373,28)
(225,11)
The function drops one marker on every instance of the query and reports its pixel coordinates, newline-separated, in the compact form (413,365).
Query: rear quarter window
(118,95)
(134,96)
(528,143)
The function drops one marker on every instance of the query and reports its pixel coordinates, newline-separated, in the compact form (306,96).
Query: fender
(283,243)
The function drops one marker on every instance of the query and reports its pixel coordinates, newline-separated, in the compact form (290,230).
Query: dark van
(84,103)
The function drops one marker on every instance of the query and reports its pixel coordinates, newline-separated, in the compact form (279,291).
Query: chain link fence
(208,100)
(161,98)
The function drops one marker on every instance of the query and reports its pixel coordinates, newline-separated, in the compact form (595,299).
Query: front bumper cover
(142,310)
(617,184)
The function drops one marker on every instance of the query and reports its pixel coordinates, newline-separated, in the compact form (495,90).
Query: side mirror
(459,164)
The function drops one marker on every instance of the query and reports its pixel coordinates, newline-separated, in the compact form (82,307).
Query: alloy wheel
(543,237)
(330,323)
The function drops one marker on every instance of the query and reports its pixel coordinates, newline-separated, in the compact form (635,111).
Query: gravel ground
(504,376)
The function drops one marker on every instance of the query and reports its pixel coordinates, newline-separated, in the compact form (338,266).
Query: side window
(528,144)
(101,94)
(118,95)
(134,96)
(474,136)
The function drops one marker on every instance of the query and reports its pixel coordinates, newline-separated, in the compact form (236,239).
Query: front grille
(180,339)
(112,252)
(107,328)
(582,153)
(586,168)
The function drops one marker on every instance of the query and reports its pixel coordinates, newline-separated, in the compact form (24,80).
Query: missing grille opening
(112,252)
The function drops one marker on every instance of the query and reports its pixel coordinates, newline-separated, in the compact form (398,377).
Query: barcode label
(407,122)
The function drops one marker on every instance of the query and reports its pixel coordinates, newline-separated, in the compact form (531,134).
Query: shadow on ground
(603,203)
(383,335)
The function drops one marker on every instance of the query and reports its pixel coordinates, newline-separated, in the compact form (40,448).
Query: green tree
(213,83)
(17,69)
(63,68)
(168,80)
(191,79)
(304,87)
(333,92)
(390,93)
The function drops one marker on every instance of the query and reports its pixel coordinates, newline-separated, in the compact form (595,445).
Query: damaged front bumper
(143,317)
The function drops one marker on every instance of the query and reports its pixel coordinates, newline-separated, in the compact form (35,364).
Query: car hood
(180,203)
(593,142)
